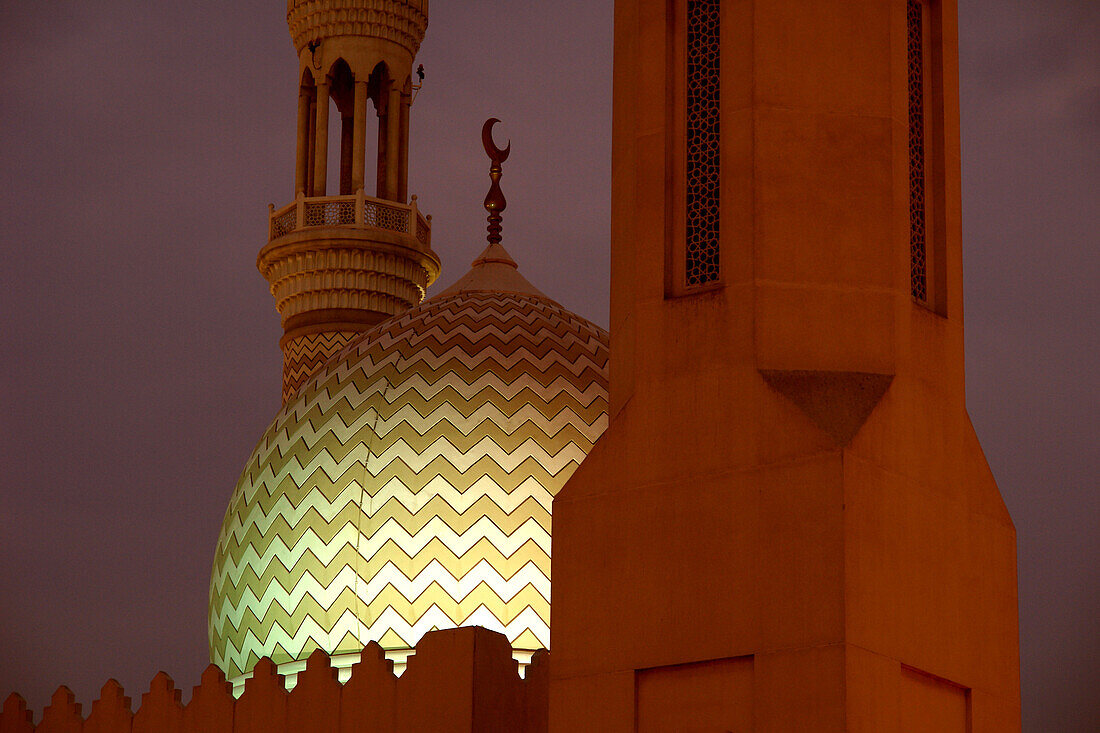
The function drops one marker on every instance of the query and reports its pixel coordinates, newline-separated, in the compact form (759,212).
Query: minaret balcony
(345,263)
(357,211)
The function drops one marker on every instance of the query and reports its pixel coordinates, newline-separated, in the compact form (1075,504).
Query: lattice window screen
(703,134)
(918,229)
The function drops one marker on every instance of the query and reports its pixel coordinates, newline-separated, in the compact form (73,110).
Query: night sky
(142,142)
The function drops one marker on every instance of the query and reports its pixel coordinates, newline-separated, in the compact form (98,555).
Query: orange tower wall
(459,681)
(789,524)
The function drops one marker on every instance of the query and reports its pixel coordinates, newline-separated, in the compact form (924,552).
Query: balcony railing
(358,211)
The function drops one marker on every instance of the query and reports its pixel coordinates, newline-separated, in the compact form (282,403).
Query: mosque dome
(408,486)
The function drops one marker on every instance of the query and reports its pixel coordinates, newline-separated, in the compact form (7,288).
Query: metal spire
(494,200)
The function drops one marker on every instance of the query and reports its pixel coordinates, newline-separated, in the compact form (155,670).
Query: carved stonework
(349,252)
(329,283)
(332,274)
(401,21)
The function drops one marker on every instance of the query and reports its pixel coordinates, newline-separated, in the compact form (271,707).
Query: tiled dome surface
(409,485)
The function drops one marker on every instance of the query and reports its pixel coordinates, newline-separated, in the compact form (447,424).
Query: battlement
(458,681)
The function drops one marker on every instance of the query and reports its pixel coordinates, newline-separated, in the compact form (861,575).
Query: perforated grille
(422,229)
(703,173)
(917,223)
(385,217)
(330,213)
(284,223)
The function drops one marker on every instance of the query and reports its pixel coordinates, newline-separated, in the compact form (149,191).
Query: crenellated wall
(459,681)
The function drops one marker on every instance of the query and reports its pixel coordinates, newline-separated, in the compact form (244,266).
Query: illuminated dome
(408,486)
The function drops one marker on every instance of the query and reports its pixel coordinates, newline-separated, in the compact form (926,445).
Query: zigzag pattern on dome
(409,485)
(304,355)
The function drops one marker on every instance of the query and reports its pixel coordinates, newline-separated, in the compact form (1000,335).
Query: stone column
(301,167)
(346,155)
(403,158)
(393,137)
(320,155)
(380,183)
(312,144)
(359,137)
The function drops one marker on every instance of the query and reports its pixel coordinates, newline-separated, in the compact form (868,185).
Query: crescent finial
(495,154)
(494,200)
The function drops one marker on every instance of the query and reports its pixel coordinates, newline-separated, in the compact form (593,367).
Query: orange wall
(460,681)
(789,475)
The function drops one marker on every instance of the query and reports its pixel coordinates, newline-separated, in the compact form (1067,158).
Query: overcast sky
(142,142)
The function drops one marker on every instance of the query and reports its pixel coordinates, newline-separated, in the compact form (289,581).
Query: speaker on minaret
(789,524)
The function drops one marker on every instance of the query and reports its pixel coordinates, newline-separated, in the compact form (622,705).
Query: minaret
(340,263)
(789,524)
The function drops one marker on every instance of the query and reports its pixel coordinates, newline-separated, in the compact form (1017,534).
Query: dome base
(343,663)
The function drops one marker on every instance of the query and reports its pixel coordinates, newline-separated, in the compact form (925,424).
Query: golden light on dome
(409,486)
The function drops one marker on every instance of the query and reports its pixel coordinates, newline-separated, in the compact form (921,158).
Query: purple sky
(142,142)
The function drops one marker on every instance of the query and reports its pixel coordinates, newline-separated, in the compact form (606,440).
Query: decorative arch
(379,81)
(307,137)
(392,144)
(342,91)
(349,87)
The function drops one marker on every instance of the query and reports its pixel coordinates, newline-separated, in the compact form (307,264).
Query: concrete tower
(340,263)
(789,524)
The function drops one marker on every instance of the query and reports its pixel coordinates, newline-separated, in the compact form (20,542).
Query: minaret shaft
(789,524)
(340,263)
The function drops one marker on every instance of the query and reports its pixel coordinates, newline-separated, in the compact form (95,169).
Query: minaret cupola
(339,260)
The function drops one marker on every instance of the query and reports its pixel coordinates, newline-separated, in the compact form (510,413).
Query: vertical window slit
(918,225)
(703,171)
